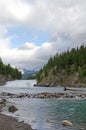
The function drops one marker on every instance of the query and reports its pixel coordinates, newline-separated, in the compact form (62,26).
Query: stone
(35,85)
(48,120)
(2,104)
(2,101)
(12,109)
(66,123)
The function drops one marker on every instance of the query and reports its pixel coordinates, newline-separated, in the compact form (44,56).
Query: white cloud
(27,46)
(31,56)
(4,45)
(65,20)
(67,16)
(28,55)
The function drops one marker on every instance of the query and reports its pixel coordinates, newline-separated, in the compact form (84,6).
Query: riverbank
(62,80)
(10,123)
(65,84)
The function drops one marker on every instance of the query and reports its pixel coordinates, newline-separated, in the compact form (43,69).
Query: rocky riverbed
(75,94)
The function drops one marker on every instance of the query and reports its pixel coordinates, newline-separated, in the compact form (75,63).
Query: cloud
(57,15)
(61,16)
(27,46)
(4,45)
(28,55)
(64,20)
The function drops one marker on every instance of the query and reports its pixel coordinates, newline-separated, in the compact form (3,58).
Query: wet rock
(45,95)
(6,94)
(2,104)
(48,120)
(41,96)
(66,123)
(35,85)
(12,109)
(3,101)
(82,96)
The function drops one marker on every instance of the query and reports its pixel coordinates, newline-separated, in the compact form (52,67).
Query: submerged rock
(66,123)
(48,120)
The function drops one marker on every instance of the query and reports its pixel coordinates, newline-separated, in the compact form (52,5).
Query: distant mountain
(27,73)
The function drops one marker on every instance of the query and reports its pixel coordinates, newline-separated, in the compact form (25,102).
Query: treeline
(9,72)
(70,61)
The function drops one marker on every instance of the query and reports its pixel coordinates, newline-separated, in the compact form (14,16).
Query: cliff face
(2,79)
(61,79)
(66,69)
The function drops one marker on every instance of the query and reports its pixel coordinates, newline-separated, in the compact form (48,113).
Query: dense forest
(8,73)
(67,68)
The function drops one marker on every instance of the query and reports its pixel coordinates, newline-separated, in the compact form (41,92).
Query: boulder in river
(12,109)
(2,101)
(66,123)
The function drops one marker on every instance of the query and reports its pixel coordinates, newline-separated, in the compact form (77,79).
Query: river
(45,114)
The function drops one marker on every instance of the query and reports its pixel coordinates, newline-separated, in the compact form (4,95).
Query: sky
(33,30)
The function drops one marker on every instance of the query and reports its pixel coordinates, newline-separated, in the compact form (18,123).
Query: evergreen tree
(70,61)
(7,71)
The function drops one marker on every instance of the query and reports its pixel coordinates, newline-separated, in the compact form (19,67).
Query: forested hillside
(8,73)
(66,69)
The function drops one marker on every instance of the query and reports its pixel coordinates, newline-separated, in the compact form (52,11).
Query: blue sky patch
(21,35)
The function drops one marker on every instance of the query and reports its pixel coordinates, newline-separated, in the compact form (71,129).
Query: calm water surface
(46,114)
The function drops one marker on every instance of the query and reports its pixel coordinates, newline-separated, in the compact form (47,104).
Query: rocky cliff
(66,69)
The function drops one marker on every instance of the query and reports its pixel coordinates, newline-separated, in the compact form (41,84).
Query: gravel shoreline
(10,123)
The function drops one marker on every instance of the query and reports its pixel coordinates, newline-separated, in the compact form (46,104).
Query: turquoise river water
(45,114)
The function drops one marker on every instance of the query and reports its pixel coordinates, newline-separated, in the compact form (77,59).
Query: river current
(45,114)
